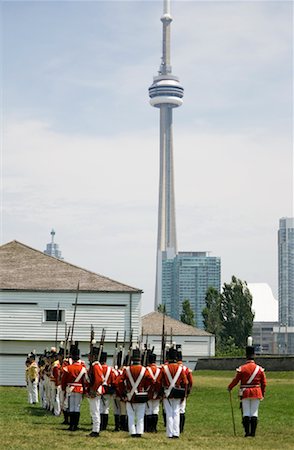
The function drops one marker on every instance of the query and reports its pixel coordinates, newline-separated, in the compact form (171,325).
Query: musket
(67,333)
(114,363)
(92,342)
(123,349)
(102,339)
(57,320)
(74,315)
(171,336)
(130,348)
(145,351)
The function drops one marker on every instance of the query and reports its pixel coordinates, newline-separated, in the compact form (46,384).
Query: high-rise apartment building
(286,284)
(187,277)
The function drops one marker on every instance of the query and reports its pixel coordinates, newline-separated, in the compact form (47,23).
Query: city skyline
(80,141)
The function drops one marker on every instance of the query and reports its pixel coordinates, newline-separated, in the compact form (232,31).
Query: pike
(74,315)
(162,340)
(57,320)
(67,333)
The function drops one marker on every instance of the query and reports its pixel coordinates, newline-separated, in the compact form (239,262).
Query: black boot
(71,421)
(148,423)
(246,425)
(155,421)
(182,422)
(102,422)
(116,422)
(66,418)
(106,421)
(253,425)
(164,417)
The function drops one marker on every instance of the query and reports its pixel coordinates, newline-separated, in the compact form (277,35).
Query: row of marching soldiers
(135,390)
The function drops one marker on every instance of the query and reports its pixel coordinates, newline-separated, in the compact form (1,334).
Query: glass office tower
(187,277)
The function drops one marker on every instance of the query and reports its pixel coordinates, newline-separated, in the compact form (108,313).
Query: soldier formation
(135,385)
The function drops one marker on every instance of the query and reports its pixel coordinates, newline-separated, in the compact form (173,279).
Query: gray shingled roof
(152,325)
(26,269)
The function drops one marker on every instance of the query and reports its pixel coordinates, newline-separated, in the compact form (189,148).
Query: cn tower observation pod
(166,90)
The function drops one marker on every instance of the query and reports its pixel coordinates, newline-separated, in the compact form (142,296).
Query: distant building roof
(26,269)
(152,325)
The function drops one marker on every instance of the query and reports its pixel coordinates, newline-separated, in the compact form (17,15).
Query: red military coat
(55,372)
(251,386)
(155,390)
(95,378)
(74,377)
(135,370)
(172,369)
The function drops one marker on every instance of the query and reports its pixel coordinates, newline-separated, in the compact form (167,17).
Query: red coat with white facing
(145,383)
(155,390)
(70,375)
(256,387)
(96,378)
(173,368)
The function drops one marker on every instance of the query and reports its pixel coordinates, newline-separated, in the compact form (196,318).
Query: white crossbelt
(253,375)
(154,376)
(136,383)
(172,381)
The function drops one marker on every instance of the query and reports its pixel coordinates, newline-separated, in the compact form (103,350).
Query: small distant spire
(52,249)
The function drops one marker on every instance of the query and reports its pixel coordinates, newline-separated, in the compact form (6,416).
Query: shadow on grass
(36,411)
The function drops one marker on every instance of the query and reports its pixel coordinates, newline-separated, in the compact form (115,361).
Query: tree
(229,317)
(236,315)
(211,314)
(187,315)
(161,308)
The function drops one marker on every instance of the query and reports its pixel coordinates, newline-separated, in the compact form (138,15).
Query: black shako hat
(136,355)
(103,357)
(250,351)
(173,354)
(151,358)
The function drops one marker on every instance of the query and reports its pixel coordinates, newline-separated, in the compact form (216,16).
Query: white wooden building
(195,342)
(32,284)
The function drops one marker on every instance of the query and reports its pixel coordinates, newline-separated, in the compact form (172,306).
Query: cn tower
(165,93)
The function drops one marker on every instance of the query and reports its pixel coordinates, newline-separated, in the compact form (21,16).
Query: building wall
(193,347)
(187,277)
(263,337)
(23,327)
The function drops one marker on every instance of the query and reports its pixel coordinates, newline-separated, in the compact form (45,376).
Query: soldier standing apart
(135,381)
(252,389)
(174,382)
(73,382)
(33,375)
(109,389)
(152,406)
(95,390)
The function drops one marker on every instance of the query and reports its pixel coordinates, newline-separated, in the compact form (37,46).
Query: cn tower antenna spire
(166,20)
(165,94)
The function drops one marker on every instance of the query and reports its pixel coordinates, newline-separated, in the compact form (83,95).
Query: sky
(80,142)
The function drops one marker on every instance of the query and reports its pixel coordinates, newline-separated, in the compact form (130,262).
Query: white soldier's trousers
(32,391)
(172,411)
(250,407)
(104,404)
(136,412)
(94,404)
(42,393)
(152,407)
(57,407)
(116,405)
(183,406)
(74,402)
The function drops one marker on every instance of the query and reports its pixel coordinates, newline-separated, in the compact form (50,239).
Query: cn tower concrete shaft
(165,93)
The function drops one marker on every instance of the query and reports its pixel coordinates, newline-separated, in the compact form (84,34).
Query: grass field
(208,421)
